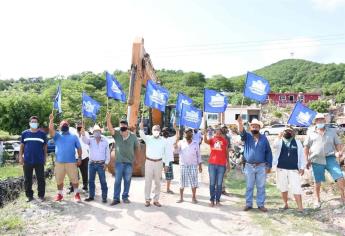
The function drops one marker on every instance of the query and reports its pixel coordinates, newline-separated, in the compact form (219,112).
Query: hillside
(19,99)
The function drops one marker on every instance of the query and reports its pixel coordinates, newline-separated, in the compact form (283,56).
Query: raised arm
(141,131)
(109,124)
(85,139)
(206,140)
(51,125)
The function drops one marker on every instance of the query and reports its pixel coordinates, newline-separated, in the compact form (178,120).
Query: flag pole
(107,104)
(241,109)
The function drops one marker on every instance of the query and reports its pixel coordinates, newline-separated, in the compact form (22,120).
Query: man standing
(155,152)
(218,163)
(169,157)
(34,147)
(258,156)
(289,160)
(84,160)
(190,159)
(99,160)
(126,143)
(65,145)
(321,147)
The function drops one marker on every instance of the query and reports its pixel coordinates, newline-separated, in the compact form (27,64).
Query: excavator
(141,71)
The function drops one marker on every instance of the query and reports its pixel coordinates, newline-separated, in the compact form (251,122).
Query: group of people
(92,156)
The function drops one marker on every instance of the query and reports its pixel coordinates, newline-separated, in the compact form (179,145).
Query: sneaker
(89,199)
(77,197)
(126,201)
(30,199)
(317,205)
(58,197)
(114,202)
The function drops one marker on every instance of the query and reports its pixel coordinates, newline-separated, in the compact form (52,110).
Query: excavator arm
(141,71)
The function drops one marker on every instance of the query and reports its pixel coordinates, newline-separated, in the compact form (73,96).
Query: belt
(98,162)
(256,163)
(154,160)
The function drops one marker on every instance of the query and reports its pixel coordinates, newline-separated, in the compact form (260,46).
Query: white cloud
(328,5)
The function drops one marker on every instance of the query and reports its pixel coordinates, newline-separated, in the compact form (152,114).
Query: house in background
(287,98)
(231,114)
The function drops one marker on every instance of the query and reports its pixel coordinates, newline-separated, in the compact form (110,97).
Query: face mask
(79,129)
(97,134)
(64,128)
(165,134)
(123,129)
(195,131)
(320,126)
(33,125)
(287,135)
(155,133)
(255,131)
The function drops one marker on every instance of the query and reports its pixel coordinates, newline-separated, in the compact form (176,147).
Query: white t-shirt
(170,141)
(84,147)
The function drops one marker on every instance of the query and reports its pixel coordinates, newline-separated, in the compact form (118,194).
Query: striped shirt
(34,143)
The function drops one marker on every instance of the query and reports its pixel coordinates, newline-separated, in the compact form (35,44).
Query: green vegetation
(7,171)
(276,221)
(36,94)
(9,223)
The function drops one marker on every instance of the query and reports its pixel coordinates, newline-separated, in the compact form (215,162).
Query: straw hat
(256,122)
(96,127)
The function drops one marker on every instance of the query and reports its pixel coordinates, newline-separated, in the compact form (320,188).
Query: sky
(50,38)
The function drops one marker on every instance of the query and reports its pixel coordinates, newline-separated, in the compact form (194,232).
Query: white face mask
(155,133)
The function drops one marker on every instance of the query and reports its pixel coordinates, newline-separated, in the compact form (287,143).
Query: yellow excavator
(141,71)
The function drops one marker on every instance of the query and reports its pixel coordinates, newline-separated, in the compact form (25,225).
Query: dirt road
(173,218)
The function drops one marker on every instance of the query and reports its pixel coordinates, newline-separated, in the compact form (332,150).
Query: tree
(320,106)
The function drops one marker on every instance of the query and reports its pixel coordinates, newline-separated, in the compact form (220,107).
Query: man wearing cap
(126,143)
(321,147)
(289,160)
(218,163)
(65,145)
(190,160)
(84,166)
(99,159)
(34,148)
(258,156)
(155,153)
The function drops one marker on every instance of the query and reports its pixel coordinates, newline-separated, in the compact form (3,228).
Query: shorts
(189,176)
(61,169)
(332,166)
(169,173)
(289,179)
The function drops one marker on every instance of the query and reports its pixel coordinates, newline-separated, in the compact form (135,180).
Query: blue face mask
(320,126)
(33,125)
(64,128)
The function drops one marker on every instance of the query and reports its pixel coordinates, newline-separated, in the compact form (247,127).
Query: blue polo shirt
(65,145)
(259,152)
(34,143)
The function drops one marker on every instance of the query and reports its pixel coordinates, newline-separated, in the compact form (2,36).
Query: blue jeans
(123,171)
(93,169)
(216,173)
(255,175)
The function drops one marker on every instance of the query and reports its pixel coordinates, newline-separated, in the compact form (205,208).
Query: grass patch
(276,221)
(7,171)
(11,223)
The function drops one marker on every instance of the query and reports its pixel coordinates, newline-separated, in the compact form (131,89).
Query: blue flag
(57,100)
(156,96)
(114,88)
(301,115)
(190,117)
(214,101)
(90,107)
(256,87)
(182,99)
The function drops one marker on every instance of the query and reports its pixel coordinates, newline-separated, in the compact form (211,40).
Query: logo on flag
(214,101)
(90,107)
(182,99)
(114,88)
(190,117)
(57,100)
(301,115)
(156,96)
(256,87)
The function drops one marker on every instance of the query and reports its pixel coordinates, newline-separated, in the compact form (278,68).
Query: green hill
(19,99)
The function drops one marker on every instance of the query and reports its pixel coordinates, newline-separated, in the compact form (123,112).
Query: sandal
(157,204)
(179,201)
(147,203)
(194,201)
(170,192)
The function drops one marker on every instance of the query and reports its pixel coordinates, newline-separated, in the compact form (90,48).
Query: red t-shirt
(218,145)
